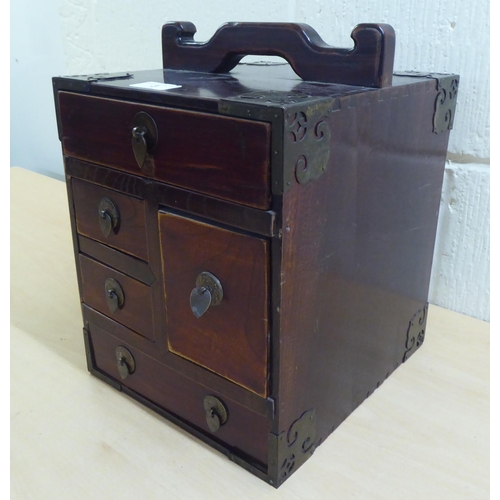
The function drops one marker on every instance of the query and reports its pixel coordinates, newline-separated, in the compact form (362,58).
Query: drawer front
(243,430)
(133,305)
(129,232)
(231,338)
(215,155)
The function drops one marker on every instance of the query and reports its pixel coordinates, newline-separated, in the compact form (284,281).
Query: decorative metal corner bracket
(307,141)
(446,100)
(274,97)
(296,445)
(301,131)
(416,332)
(101,77)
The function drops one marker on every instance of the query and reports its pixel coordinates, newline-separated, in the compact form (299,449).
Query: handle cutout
(370,63)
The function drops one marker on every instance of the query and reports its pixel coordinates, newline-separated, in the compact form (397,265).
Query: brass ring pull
(144,137)
(109,216)
(208,292)
(125,362)
(215,412)
(115,297)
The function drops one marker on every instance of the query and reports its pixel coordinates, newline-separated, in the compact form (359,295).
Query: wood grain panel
(357,254)
(194,372)
(232,214)
(129,236)
(220,156)
(137,311)
(135,268)
(231,338)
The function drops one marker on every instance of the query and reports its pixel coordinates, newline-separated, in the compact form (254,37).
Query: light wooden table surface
(424,434)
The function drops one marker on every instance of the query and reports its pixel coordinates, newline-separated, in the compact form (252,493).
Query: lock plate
(144,137)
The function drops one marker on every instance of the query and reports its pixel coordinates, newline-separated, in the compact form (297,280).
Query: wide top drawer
(216,155)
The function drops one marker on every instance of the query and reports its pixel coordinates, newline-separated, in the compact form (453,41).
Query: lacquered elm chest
(254,241)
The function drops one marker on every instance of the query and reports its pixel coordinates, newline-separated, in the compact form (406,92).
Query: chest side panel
(357,254)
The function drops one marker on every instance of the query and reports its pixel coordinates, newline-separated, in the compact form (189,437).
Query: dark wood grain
(357,254)
(183,397)
(137,311)
(135,268)
(205,92)
(239,216)
(369,63)
(232,214)
(231,339)
(200,375)
(74,232)
(130,236)
(139,187)
(136,187)
(216,155)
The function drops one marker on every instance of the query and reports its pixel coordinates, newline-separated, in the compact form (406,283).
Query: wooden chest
(254,248)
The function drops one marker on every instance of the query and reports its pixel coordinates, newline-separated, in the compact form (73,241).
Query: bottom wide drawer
(240,429)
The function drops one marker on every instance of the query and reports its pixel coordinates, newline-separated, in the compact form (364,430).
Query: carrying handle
(370,63)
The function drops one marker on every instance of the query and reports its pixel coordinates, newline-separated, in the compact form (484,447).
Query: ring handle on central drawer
(208,292)
(144,137)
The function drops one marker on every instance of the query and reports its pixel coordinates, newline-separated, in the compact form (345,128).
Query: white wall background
(57,37)
(37,54)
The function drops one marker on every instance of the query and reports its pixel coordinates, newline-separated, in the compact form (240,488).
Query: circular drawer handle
(115,297)
(208,292)
(144,136)
(216,413)
(109,216)
(125,362)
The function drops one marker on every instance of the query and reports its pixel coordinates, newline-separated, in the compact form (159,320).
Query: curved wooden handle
(369,63)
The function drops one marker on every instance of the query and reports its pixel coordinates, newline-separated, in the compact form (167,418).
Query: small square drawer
(221,156)
(224,329)
(118,296)
(115,219)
